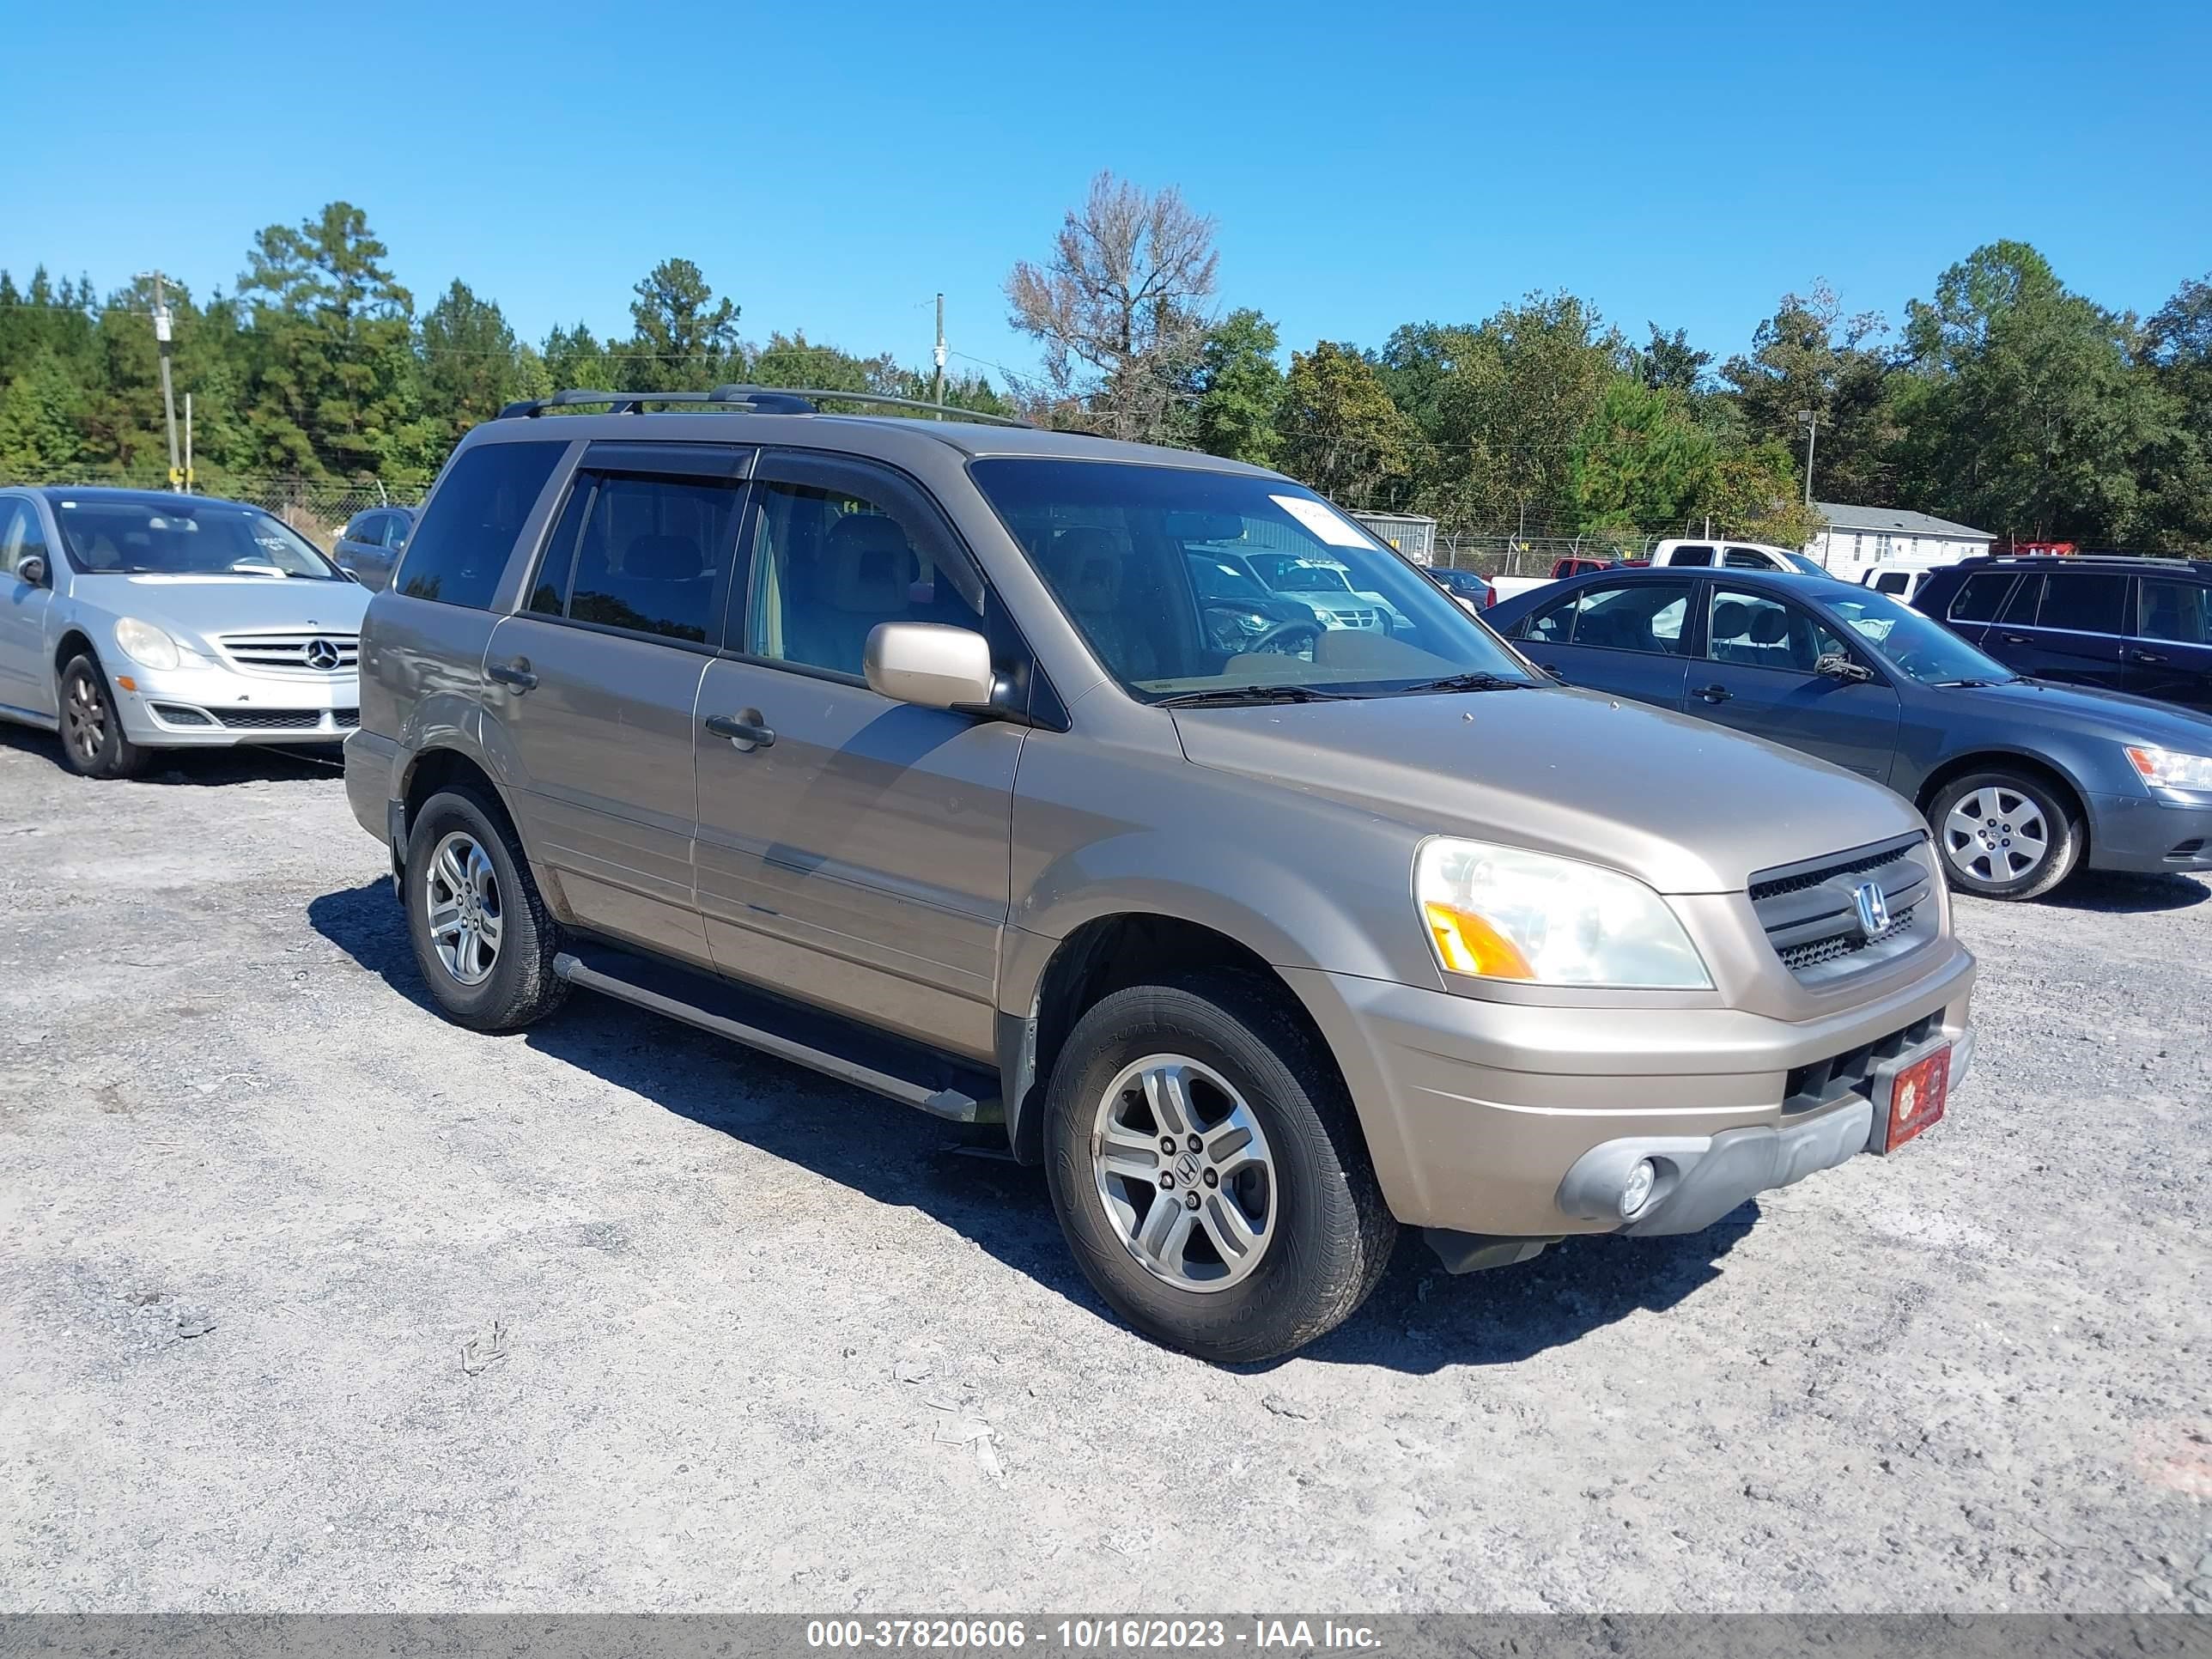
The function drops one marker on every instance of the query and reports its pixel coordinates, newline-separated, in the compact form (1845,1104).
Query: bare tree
(1120,309)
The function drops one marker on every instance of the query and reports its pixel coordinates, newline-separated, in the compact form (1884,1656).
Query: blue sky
(832,166)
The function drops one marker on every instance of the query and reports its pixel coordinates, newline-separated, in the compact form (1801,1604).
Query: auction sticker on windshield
(1324,520)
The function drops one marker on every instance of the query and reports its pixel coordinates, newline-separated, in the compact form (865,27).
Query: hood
(203,606)
(2087,712)
(1684,806)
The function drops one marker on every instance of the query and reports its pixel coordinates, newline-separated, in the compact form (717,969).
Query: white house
(1858,537)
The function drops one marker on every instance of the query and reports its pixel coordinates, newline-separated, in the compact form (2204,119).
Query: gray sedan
(132,620)
(2022,781)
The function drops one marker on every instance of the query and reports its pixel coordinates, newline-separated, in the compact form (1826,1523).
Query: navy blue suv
(2141,626)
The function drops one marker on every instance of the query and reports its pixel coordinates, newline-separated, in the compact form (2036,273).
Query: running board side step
(900,1071)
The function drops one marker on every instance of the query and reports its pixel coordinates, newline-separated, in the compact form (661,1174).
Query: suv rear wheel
(2004,834)
(1207,1169)
(483,937)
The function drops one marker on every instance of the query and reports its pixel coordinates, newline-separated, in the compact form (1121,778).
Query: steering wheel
(1272,639)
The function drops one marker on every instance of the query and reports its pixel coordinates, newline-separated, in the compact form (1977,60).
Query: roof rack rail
(758,399)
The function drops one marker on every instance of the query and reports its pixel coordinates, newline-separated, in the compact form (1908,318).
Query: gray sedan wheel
(2004,834)
(93,744)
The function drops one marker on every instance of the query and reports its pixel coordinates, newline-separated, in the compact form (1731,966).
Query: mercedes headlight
(2167,769)
(1500,913)
(145,644)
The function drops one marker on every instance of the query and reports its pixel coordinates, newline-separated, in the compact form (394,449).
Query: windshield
(187,536)
(1134,554)
(1913,644)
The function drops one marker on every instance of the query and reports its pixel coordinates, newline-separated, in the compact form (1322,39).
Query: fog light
(1636,1191)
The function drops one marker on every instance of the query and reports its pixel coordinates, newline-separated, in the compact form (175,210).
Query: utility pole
(168,395)
(937,393)
(1810,420)
(188,443)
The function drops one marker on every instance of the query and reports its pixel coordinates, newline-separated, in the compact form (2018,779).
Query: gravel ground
(312,1302)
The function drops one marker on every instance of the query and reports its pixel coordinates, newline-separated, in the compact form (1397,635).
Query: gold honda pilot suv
(915,751)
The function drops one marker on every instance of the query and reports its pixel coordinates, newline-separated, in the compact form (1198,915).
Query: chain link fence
(1506,553)
(316,507)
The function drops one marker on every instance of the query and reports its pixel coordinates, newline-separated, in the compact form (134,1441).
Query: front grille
(1810,910)
(345,719)
(272,720)
(295,653)
(1852,1073)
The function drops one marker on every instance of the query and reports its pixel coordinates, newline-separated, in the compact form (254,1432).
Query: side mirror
(928,664)
(1838,666)
(33,570)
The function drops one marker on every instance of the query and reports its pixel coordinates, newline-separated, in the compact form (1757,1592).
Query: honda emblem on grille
(1872,908)
(323,654)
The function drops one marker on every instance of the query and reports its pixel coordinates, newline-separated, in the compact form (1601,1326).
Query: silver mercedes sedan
(132,620)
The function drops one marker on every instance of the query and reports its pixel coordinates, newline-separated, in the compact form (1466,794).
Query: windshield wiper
(1226,697)
(1478,680)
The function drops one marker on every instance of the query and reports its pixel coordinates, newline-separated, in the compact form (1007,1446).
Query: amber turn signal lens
(1467,944)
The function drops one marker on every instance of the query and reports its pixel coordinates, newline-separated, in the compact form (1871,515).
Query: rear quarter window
(460,548)
(1977,600)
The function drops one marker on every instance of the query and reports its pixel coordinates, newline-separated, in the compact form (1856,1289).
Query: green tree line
(318,365)
(2005,398)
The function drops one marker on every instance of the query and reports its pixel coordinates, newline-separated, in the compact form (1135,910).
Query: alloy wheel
(1997,835)
(461,902)
(1183,1168)
(85,715)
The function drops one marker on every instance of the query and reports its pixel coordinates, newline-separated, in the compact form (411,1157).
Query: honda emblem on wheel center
(1872,909)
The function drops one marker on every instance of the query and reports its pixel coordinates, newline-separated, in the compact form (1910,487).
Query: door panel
(1759,678)
(26,680)
(1628,638)
(2078,635)
(600,753)
(2171,659)
(860,859)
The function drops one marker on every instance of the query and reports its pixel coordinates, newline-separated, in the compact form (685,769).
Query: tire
(516,985)
(93,744)
(1328,1234)
(1981,841)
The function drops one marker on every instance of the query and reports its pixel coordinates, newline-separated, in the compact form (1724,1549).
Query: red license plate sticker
(1916,1099)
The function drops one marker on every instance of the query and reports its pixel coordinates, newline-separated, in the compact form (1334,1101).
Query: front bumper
(2141,834)
(213,706)
(1476,1111)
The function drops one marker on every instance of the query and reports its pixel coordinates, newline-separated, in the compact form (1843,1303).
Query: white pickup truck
(1735,556)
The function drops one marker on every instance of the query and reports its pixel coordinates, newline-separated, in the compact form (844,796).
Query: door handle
(1714,693)
(2148,656)
(516,674)
(745,730)
(2013,639)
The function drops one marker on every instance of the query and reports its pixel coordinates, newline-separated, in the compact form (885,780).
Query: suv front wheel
(1208,1171)
(483,937)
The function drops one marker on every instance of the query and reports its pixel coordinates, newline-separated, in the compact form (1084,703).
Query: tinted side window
(1757,632)
(651,555)
(1977,601)
(1746,558)
(2177,610)
(828,565)
(1555,623)
(1692,556)
(469,529)
(16,520)
(2020,609)
(2088,602)
(1645,617)
(1895,581)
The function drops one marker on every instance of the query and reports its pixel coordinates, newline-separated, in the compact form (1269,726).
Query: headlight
(146,644)
(1499,913)
(2165,768)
